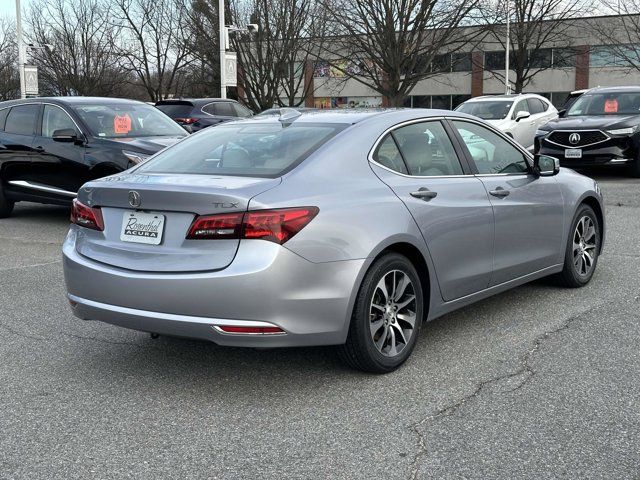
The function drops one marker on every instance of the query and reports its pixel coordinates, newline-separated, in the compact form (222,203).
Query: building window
(564,57)
(494,60)
(441,63)
(461,62)
(458,99)
(618,56)
(559,98)
(421,101)
(540,58)
(442,102)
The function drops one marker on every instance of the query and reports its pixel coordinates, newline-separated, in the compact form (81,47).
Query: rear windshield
(242,150)
(618,103)
(176,110)
(486,110)
(127,120)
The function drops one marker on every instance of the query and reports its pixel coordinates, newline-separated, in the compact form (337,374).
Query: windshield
(618,103)
(243,150)
(127,120)
(487,110)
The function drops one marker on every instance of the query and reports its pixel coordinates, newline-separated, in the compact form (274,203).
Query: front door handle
(424,193)
(499,192)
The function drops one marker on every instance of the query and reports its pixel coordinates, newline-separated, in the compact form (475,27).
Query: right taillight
(278,225)
(88,217)
(186,121)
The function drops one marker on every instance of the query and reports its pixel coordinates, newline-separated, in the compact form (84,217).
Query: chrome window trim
(403,124)
(578,132)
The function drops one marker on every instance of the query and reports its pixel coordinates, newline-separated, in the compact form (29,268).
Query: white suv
(519,116)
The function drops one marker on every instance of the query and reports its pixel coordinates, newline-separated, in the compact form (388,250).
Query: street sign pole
(21,52)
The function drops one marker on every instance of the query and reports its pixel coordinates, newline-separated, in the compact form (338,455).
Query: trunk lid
(175,198)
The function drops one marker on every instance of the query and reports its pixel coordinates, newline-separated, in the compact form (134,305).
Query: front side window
(241,111)
(21,120)
(427,150)
(490,152)
(249,149)
(54,118)
(127,120)
(521,106)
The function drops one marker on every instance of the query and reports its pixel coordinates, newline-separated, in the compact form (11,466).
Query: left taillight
(88,217)
(278,225)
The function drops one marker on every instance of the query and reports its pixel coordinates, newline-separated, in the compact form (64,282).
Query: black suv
(602,127)
(49,147)
(197,113)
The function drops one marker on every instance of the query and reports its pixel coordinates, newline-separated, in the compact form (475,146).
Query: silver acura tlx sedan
(326,228)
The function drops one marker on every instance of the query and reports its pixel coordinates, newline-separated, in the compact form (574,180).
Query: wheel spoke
(382,286)
(393,350)
(382,339)
(590,233)
(400,333)
(375,326)
(409,318)
(378,307)
(401,287)
(406,302)
(588,259)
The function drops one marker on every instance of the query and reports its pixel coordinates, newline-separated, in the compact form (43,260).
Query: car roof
(193,101)
(629,89)
(504,97)
(74,101)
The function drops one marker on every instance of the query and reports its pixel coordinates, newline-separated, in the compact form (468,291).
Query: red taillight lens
(273,225)
(187,121)
(87,217)
(211,227)
(277,225)
(263,330)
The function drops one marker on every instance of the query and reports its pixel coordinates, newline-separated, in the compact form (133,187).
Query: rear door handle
(499,192)
(424,193)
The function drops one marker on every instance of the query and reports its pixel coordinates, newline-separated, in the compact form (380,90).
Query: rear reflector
(273,225)
(85,216)
(259,330)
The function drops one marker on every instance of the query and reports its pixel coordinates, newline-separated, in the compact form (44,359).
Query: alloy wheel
(584,246)
(392,313)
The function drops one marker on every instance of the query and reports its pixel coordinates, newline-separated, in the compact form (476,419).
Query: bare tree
(82,60)
(535,25)
(153,45)
(621,34)
(390,45)
(9,79)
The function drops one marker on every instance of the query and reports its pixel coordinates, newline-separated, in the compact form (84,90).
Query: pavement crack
(524,370)
(20,267)
(12,331)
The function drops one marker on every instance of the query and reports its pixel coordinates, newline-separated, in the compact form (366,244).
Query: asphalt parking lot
(539,382)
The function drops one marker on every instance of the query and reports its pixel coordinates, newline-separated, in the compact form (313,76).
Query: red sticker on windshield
(611,106)
(122,124)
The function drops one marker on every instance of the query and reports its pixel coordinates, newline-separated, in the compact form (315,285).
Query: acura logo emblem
(135,200)
(574,138)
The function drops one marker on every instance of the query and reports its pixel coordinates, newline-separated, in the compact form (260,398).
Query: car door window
(521,106)
(536,106)
(427,150)
(22,119)
(388,155)
(490,152)
(223,109)
(241,111)
(54,118)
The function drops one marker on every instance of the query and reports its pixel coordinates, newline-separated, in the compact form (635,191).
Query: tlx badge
(226,204)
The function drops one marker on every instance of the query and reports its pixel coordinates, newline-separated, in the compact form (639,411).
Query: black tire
(360,351)
(634,168)
(6,206)
(572,275)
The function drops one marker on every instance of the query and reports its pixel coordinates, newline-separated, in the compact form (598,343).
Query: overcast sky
(8,7)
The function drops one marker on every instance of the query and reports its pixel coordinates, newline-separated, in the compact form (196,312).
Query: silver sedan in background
(326,228)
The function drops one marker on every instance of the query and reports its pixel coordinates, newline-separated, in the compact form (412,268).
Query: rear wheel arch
(103,170)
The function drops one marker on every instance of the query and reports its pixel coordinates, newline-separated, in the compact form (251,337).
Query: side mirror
(545,166)
(65,135)
(562,112)
(522,114)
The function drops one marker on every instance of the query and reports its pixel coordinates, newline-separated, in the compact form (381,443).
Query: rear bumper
(266,285)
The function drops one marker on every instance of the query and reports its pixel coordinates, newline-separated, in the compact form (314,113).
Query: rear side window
(389,156)
(427,150)
(3,117)
(241,111)
(224,109)
(22,119)
(176,110)
(243,150)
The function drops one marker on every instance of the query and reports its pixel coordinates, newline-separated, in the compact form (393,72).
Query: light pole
(223,48)
(506,54)
(21,52)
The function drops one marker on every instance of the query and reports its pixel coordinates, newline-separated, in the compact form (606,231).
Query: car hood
(144,144)
(598,122)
